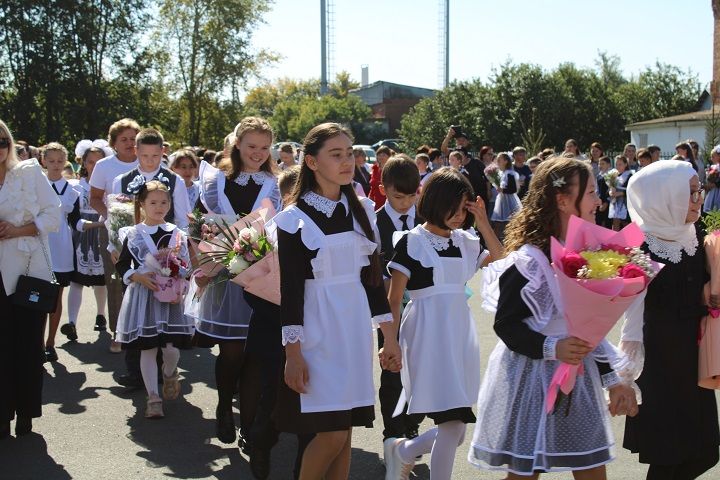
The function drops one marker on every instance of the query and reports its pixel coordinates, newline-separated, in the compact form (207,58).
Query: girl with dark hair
(513,432)
(222,315)
(144,322)
(89,268)
(441,360)
(332,292)
(507,201)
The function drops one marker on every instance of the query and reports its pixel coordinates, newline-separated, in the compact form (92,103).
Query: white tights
(441,442)
(75,300)
(148,366)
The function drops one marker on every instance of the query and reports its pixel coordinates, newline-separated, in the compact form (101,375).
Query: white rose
(249,235)
(237,265)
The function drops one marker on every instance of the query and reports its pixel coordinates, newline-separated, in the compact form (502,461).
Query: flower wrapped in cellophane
(170,273)
(120,214)
(600,273)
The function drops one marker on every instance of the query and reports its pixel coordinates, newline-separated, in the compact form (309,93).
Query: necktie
(403,219)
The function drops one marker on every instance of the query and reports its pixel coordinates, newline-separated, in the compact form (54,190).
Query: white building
(669,131)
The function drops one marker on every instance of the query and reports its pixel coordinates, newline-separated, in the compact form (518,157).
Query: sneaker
(115,347)
(100,323)
(50,354)
(395,468)
(154,408)
(171,385)
(260,463)
(69,331)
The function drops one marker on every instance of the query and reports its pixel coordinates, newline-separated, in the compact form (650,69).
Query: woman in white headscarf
(676,429)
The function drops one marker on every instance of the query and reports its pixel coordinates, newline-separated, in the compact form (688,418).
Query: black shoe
(260,463)
(130,381)
(244,442)
(23,426)
(69,331)
(225,426)
(100,323)
(50,354)
(4,430)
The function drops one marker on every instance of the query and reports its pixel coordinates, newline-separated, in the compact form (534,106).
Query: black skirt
(64,278)
(462,414)
(203,340)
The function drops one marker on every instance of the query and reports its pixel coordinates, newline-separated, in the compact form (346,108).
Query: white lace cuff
(292,334)
(384,318)
(549,345)
(610,379)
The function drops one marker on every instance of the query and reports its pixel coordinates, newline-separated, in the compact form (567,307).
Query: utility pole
(323,48)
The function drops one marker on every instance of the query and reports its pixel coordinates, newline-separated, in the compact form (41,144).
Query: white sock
(74,301)
(419,445)
(171,357)
(149,370)
(450,435)
(100,298)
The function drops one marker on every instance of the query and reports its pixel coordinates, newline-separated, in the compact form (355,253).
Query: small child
(144,322)
(440,352)
(400,183)
(54,158)
(507,201)
(185,163)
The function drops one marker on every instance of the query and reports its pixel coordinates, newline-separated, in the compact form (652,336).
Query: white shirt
(106,170)
(395,217)
(181,201)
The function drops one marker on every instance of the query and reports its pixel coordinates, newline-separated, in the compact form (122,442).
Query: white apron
(338,346)
(441,354)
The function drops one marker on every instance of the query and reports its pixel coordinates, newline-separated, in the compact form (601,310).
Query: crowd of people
(390,244)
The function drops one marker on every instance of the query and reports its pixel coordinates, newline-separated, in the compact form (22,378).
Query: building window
(643,137)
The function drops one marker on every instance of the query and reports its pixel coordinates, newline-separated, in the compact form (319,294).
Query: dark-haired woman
(222,316)
(332,292)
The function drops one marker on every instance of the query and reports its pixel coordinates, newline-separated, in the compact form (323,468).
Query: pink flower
(571,263)
(245,235)
(249,256)
(236,247)
(632,271)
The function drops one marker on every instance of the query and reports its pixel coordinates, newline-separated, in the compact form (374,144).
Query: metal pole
(323,49)
(447,43)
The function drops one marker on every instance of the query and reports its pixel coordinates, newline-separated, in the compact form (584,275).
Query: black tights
(231,371)
(688,470)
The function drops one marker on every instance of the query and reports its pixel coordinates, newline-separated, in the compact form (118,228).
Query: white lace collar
(438,242)
(671,251)
(325,205)
(151,229)
(257,177)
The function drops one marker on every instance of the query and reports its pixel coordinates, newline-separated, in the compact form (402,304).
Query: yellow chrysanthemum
(604,264)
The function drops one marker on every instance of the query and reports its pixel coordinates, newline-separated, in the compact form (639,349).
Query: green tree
(212,57)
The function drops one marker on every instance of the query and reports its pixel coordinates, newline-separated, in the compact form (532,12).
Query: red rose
(632,271)
(571,263)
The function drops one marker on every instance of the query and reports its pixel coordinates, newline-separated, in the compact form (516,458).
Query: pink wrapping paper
(262,278)
(170,290)
(591,307)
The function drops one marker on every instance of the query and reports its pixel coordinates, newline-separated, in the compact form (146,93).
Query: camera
(457,129)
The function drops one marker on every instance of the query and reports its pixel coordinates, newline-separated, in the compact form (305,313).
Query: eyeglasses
(696,196)
(4,142)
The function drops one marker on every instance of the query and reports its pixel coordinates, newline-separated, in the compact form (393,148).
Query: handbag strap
(47,262)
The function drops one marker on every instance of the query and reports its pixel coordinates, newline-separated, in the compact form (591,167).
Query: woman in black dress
(676,430)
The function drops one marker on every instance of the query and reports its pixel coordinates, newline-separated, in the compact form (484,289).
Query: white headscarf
(657,199)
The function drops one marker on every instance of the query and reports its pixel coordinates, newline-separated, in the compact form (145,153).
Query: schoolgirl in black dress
(332,291)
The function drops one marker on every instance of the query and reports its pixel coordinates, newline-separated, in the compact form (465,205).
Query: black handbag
(35,293)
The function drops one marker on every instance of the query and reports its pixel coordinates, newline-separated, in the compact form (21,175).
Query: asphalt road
(93,428)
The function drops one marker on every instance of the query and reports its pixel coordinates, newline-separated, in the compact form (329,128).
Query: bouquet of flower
(709,353)
(121,213)
(713,173)
(493,174)
(600,273)
(171,273)
(611,178)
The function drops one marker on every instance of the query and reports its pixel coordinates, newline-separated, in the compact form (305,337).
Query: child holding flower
(144,322)
(513,432)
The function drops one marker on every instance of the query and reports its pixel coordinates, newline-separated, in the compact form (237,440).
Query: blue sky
(399,39)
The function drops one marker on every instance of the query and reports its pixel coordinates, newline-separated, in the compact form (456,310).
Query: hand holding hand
(622,400)
(572,350)
(390,356)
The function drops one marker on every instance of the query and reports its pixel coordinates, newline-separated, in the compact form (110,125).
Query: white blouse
(26,196)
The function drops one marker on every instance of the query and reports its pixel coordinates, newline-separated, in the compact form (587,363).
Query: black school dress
(678,419)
